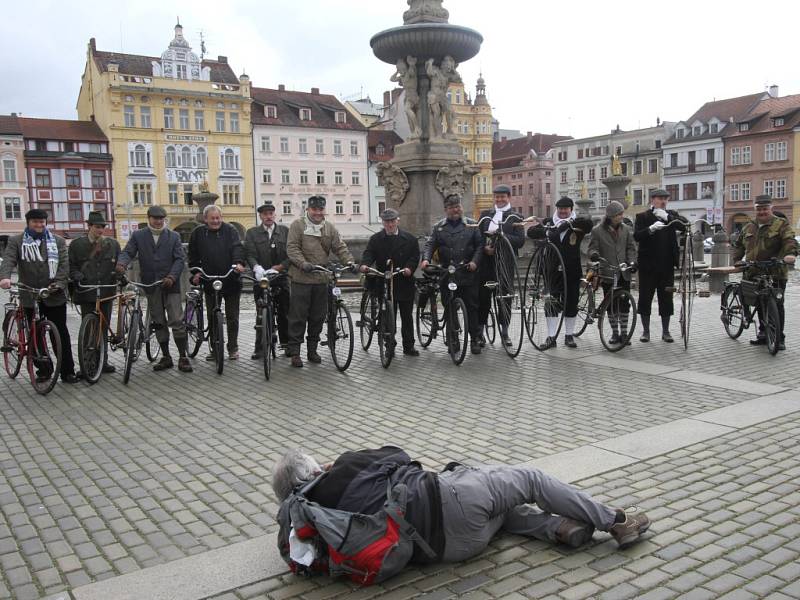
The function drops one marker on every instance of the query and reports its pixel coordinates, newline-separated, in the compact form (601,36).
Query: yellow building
(473,126)
(173,123)
(795,191)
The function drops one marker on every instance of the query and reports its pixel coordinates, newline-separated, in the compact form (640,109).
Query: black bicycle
(338,322)
(377,313)
(136,329)
(194,319)
(217,324)
(266,305)
(742,301)
(616,314)
(453,319)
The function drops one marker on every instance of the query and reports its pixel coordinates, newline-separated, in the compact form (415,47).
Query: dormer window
(697,130)
(744,126)
(713,128)
(777,122)
(340,116)
(305,114)
(679,133)
(380,150)
(271,111)
(180,71)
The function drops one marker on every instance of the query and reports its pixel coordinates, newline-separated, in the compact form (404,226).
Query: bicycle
(136,331)
(616,314)
(216,326)
(338,322)
(687,285)
(378,313)
(741,301)
(454,316)
(33,337)
(266,306)
(193,317)
(507,290)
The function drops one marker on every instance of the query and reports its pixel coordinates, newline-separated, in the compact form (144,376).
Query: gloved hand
(167,282)
(563,226)
(657,226)
(660,214)
(5,283)
(306,267)
(353,267)
(633,268)
(120,268)
(258,272)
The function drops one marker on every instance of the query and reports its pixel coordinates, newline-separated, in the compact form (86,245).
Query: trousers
(309,305)
(477,502)
(231,318)
(652,282)
(157,304)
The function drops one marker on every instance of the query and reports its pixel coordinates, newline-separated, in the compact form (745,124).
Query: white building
(307,144)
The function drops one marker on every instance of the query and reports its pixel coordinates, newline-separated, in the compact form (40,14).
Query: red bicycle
(27,335)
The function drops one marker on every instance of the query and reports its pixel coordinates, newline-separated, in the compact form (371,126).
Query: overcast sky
(569,67)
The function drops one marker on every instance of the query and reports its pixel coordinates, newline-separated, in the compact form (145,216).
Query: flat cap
(157,212)
(317,202)
(502,189)
(390,214)
(266,206)
(452,200)
(565,202)
(763,199)
(659,193)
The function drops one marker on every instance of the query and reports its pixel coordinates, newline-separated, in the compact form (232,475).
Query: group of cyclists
(471,263)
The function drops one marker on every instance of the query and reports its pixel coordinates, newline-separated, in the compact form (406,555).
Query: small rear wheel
(772,325)
(340,337)
(732,312)
(368,318)
(490,329)
(12,360)
(44,359)
(427,319)
(618,322)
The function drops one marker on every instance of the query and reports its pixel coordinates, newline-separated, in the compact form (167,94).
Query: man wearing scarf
(92,260)
(41,260)
(567,233)
(501,216)
(659,256)
(311,241)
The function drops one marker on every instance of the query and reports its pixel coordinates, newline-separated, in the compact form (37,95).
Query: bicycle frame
(121,298)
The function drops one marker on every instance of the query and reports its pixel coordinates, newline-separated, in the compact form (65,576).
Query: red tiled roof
(323,108)
(389,139)
(760,118)
(60,129)
(9,124)
(510,153)
(726,109)
(136,64)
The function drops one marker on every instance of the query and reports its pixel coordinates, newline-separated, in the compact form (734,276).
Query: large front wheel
(618,322)
(369,316)
(772,325)
(91,348)
(340,336)
(44,358)
(509,298)
(545,293)
(732,312)
(456,329)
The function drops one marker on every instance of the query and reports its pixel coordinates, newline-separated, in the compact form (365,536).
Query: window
(144,117)
(746,191)
(580,174)
(42,177)
(69,146)
(638,197)
(220,121)
(591,173)
(199,120)
(95,148)
(563,176)
(75,212)
(547,187)
(777,122)
(172,194)
(736,156)
(603,172)
(183,118)
(320,177)
(353,148)
(780,151)
(713,128)
(356,207)
(769,152)
(171,157)
(266,146)
(285,177)
(674,191)
(284,145)
(337,147)
(341,117)
(180,71)
(580,152)
(744,126)
(710,156)
(734,192)
(624,167)
(186,157)
(304,177)
(73,178)
(340,207)
(320,147)
(271,111)
(355,178)
(746,158)
(187,197)
(679,133)
(652,165)
(530,188)
(9,170)
(98,179)
(603,199)
(305,114)
(230,194)
(12,207)
(287,207)
(637,167)
(658,144)
(780,188)
(697,130)
(202,158)
(690,191)
(234,117)
(142,194)
(140,157)
(229,160)
(337,178)
(169,118)
(266,175)
(302,146)
(769,187)
(130,118)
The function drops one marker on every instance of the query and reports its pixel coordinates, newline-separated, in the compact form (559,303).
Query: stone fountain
(430,164)
(202,199)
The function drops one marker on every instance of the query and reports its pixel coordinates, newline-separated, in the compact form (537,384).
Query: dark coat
(515,234)
(156,261)
(456,243)
(215,252)
(570,246)
(90,268)
(402,250)
(658,252)
(260,250)
(37,274)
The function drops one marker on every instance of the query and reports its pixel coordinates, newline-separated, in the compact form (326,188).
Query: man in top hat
(656,230)
(265,249)
(565,229)
(92,261)
(161,258)
(457,243)
(311,241)
(42,260)
(502,215)
(765,237)
(393,248)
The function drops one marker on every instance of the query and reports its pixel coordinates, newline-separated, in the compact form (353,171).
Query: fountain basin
(426,40)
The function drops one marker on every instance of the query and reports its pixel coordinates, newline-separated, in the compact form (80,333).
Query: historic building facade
(309,144)
(174,122)
(13,181)
(525,165)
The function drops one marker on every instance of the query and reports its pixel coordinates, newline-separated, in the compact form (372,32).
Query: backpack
(365,548)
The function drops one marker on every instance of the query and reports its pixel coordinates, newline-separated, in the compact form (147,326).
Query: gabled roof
(61,129)
(9,124)
(510,153)
(721,110)
(388,138)
(137,64)
(761,118)
(323,108)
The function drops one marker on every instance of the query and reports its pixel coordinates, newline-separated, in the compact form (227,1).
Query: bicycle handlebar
(139,285)
(521,221)
(98,286)
(760,264)
(270,275)
(385,274)
(332,269)
(437,270)
(204,275)
(38,292)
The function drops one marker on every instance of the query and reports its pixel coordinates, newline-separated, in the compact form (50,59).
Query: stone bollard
(697,246)
(720,257)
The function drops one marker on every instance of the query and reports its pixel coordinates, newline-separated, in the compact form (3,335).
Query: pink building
(526,165)
(13,183)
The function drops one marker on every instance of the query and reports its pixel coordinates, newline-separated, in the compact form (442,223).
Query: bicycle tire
(193,322)
(340,336)
(688,290)
(152,347)
(614,318)
(368,318)
(545,293)
(91,352)
(219,341)
(133,343)
(266,340)
(48,346)
(12,358)
(490,329)
(386,333)
(509,299)
(427,320)
(456,331)
(772,325)
(585,307)
(732,311)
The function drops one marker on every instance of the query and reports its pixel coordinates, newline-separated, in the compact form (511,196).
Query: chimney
(315,91)
(281,87)
(387,98)
(773,91)
(222,59)
(658,121)
(504,139)
(13,114)
(530,134)
(93,44)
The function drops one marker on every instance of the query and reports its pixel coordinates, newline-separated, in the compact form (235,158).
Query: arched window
(228,161)
(139,156)
(202,158)
(172,160)
(186,157)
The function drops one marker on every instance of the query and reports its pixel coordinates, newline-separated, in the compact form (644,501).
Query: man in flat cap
(42,261)
(393,248)
(311,241)
(265,249)
(765,237)
(656,230)
(457,243)
(502,215)
(565,229)
(161,258)
(92,261)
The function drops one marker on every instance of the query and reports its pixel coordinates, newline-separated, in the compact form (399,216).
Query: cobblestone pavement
(103,480)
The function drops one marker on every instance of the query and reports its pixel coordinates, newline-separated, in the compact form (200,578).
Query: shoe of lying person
(632,528)
(574,533)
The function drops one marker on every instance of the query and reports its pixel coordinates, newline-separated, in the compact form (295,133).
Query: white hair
(211,208)
(291,469)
